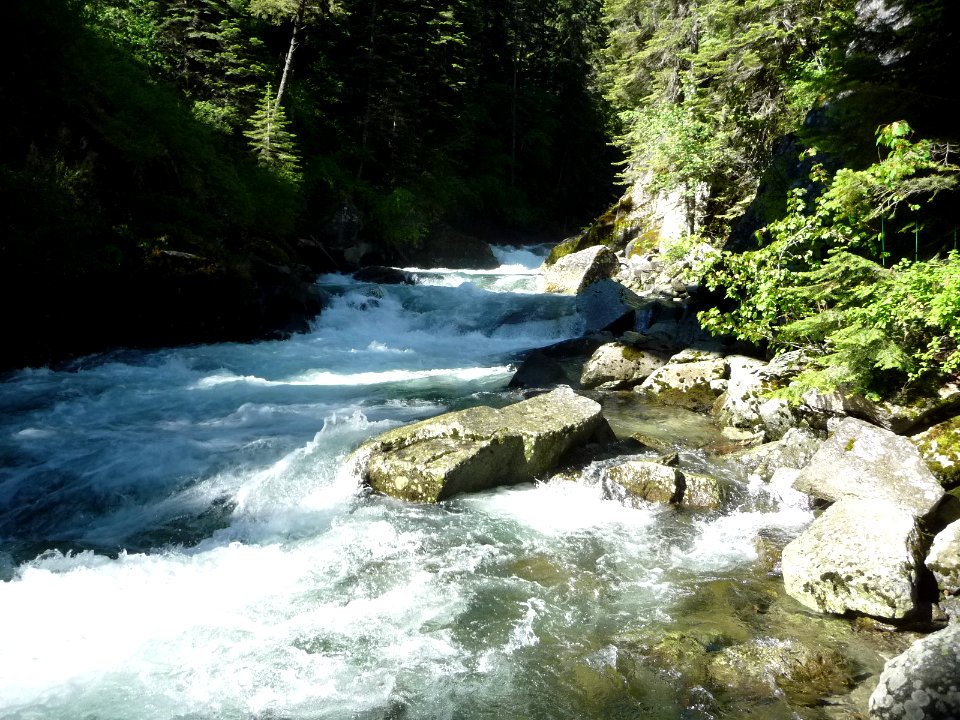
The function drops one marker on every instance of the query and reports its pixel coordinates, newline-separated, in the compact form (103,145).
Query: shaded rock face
(923,683)
(898,418)
(863,461)
(478,448)
(944,560)
(607,305)
(862,556)
(572,273)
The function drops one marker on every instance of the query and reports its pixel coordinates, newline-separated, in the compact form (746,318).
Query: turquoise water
(178,538)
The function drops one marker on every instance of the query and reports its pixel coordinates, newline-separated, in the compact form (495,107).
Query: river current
(178,538)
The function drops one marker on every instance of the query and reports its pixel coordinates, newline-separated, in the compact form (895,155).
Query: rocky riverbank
(882,552)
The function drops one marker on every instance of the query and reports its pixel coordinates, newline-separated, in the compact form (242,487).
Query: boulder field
(885,544)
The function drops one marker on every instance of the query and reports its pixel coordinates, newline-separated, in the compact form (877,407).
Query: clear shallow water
(178,540)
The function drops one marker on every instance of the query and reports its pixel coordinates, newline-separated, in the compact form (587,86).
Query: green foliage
(703,89)
(271,140)
(810,285)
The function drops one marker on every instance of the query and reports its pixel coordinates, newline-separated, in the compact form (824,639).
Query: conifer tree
(271,141)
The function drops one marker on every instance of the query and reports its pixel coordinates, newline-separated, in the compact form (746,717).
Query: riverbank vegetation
(169,165)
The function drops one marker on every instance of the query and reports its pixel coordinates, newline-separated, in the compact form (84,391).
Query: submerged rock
(768,667)
(572,273)
(861,555)
(478,448)
(922,683)
(863,461)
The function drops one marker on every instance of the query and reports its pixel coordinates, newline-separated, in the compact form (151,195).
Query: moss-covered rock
(940,448)
(617,365)
(693,384)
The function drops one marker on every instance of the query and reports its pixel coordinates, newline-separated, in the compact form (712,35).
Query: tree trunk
(288,62)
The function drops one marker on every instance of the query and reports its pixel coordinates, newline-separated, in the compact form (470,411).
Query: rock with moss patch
(648,480)
(861,460)
(574,272)
(861,556)
(922,683)
(901,419)
(940,448)
(691,379)
(479,448)
(944,559)
(618,365)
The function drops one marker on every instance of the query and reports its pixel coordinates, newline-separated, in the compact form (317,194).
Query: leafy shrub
(875,330)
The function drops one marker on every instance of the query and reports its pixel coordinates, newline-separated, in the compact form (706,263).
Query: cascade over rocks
(922,683)
(479,448)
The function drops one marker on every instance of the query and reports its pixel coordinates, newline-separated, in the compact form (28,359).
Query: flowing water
(178,539)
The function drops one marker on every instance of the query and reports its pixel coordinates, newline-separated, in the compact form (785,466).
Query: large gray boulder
(794,450)
(574,272)
(861,556)
(745,404)
(923,683)
(617,365)
(944,559)
(478,448)
(864,461)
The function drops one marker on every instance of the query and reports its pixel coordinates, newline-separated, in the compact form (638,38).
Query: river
(178,538)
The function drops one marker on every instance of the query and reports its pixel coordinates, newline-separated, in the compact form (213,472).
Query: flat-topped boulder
(479,448)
